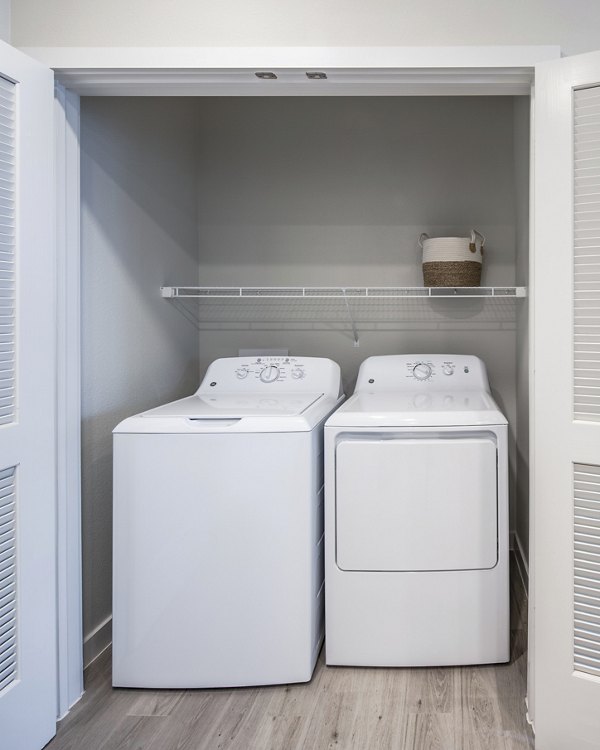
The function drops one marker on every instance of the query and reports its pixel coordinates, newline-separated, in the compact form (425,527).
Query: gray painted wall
(139,229)
(5,11)
(571,23)
(336,191)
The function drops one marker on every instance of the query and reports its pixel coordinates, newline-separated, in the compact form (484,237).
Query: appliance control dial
(298,373)
(242,372)
(448,369)
(422,371)
(269,374)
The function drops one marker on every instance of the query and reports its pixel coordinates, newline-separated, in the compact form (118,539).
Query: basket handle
(422,237)
(474,235)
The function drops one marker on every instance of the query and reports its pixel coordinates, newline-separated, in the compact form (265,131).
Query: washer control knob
(448,369)
(241,373)
(422,371)
(297,373)
(269,374)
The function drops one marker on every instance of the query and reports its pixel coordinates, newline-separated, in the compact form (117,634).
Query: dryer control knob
(448,369)
(422,371)
(242,373)
(297,373)
(269,374)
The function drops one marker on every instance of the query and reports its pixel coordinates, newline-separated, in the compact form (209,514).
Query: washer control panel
(271,369)
(426,369)
(440,372)
(273,373)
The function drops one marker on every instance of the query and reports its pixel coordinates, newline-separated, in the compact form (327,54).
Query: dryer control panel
(410,372)
(274,374)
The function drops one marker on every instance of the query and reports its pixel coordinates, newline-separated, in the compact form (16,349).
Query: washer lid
(418,409)
(237,406)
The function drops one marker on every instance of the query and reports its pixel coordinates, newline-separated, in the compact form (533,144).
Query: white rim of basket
(474,234)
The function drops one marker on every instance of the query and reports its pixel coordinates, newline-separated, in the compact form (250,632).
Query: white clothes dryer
(218,529)
(416,517)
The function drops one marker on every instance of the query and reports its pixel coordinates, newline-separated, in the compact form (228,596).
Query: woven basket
(452,261)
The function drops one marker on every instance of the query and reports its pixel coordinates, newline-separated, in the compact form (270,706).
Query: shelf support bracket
(352,321)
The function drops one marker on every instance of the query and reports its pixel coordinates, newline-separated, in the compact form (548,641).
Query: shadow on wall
(139,230)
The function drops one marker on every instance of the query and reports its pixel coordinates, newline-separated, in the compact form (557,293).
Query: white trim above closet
(295,71)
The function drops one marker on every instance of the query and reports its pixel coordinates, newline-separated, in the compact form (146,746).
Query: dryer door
(417,503)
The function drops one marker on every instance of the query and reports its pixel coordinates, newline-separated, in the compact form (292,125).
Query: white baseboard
(97,641)
(521,561)
(66,713)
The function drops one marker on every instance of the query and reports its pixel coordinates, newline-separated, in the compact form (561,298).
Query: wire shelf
(352,293)
(355,305)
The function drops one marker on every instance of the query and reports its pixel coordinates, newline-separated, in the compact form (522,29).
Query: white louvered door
(27,405)
(565,623)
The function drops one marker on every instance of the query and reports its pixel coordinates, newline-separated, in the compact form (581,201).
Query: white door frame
(374,71)
(68,401)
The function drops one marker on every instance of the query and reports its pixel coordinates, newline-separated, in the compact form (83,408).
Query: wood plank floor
(461,708)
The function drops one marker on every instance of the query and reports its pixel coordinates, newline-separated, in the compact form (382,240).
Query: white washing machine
(416,517)
(218,529)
